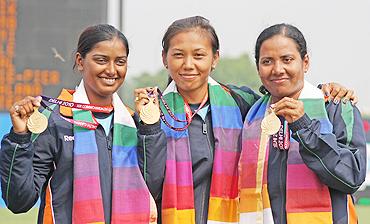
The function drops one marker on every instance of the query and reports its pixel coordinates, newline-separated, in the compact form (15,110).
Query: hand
(142,97)
(336,92)
(289,108)
(21,111)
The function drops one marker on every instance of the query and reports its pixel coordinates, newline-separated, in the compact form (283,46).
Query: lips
(108,81)
(188,76)
(279,80)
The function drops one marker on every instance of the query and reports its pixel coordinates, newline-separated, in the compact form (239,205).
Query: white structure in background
(115,13)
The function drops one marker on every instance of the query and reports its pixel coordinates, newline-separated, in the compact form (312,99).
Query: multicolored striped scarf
(178,195)
(131,200)
(307,198)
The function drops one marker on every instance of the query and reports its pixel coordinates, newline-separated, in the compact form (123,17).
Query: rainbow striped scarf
(178,195)
(131,200)
(307,198)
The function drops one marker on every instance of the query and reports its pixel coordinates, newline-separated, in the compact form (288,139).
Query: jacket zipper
(205,132)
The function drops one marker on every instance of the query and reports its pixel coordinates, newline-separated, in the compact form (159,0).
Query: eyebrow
(198,49)
(287,55)
(265,57)
(103,55)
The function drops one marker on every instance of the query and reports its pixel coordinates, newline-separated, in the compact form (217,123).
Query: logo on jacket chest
(68,138)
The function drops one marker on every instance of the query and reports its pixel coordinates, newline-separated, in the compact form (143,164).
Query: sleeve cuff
(301,123)
(149,129)
(19,138)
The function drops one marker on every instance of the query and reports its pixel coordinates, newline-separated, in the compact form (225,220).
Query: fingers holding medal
(22,112)
(291,109)
(146,104)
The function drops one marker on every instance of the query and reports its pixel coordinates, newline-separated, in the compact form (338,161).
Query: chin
(108,91)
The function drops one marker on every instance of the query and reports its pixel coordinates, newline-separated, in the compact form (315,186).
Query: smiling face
(103,69)
(189,61)
(281,67)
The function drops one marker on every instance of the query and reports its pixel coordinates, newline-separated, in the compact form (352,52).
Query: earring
(213,67)
(166,66)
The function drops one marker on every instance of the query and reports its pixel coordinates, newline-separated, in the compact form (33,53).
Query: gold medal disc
(149,113)
(37,122)
(270,124)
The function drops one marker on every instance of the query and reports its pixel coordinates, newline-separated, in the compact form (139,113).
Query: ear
(216,58)
(164,59)
(306,63)
(79,62)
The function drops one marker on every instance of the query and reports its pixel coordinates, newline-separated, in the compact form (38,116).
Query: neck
(103,102)
(275,99)
(194,97)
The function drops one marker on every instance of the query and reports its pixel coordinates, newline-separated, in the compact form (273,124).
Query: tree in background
(240,71)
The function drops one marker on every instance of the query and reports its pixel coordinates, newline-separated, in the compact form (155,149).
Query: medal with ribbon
(38,122)
(188,113)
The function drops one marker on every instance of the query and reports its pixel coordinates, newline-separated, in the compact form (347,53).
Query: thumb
(36,102)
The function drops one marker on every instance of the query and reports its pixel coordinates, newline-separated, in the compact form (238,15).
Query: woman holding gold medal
(301,158)
(190,159)
(81,157)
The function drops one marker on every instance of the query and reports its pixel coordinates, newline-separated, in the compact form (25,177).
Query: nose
(188,63)
(278,68)
(111,69)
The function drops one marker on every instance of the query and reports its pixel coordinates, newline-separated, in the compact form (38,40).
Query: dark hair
(189,23)
(95,34)
(286,30)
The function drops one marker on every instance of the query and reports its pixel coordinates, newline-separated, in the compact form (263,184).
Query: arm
(24,168)
(338,158)
(152,152)
(336,93)
(244,97)
(24,165)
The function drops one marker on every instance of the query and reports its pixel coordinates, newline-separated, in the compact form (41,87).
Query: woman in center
(193,174)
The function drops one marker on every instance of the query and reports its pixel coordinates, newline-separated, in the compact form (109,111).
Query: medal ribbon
(281,140)
(189,114)
(81,106)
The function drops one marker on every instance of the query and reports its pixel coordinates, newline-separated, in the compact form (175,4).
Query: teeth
(109,81)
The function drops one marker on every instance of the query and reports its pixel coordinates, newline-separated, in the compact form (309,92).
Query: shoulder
(342,110)
(244,95)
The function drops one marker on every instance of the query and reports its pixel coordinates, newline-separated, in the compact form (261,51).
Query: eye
(288,59)
(100,60)
(266,61)
(121,61)
(199,55)
(177,54)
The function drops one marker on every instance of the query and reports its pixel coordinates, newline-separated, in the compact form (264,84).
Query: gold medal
(37,122)
(270,124)
(149,113)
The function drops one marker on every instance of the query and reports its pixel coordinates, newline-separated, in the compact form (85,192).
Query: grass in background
(363,213)
(7,217)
